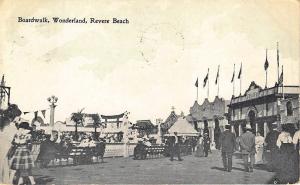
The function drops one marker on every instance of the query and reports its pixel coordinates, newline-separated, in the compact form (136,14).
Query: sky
(149,65)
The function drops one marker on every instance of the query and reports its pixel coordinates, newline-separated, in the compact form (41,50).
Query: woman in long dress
(288,158)
(200,148)
(259,147)
(22,160)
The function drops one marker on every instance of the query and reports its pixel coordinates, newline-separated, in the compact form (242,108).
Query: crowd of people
(278,150)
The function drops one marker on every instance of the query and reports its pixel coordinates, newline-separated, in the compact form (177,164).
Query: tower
(4,91)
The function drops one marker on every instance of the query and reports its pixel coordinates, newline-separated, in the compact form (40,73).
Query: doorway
(252,116)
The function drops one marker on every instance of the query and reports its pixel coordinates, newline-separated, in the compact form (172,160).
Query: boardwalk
(125,170)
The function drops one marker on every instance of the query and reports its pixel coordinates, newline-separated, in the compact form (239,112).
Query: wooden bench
(154,151)
(81,155)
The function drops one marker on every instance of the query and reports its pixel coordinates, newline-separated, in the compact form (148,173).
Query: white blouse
(284,137)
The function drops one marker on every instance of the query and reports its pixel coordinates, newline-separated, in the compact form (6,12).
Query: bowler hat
(24,125)
(227,126)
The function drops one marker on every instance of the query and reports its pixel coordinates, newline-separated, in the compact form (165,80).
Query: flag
(196,84)
(25,113)
(217,77)
(205,80)
(240,73)
(233,74)
(43,113)
(280,81)
(266,62)
(35,114)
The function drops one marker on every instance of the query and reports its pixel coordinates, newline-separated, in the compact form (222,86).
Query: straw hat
(248,127)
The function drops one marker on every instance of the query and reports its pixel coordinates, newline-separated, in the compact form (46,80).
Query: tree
(97,122)
(77,117)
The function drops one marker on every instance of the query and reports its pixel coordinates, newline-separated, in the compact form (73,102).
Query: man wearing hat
(227,145)
(247,142)
(175,148)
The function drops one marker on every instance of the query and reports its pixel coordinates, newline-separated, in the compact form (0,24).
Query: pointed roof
(144,124)
(208,110)
(195,107)
(172,118)
(2,81)
(118,116)
(183,127)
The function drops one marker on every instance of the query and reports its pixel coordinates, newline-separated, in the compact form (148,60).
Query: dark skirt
(288,164)
(22,159)
(199,151)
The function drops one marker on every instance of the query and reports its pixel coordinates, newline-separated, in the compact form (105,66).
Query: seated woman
(84,142)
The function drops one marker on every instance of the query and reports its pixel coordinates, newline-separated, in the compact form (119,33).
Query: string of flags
(36,112)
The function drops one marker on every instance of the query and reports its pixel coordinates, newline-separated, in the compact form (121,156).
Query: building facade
(263,107)
(209,116)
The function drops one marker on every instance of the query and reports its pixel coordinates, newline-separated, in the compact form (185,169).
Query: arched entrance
(206,130)
(252,117)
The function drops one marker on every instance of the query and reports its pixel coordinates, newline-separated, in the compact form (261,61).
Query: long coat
(227,141)
(247,143)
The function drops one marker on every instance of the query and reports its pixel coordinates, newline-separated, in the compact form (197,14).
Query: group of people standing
(203,145)
(283,149)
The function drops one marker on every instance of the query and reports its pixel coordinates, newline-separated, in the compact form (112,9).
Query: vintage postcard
(149,92)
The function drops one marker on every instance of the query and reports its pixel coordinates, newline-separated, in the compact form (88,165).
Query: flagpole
(266,78)
(208,84)
(282,82)
(218,79)
(277,63)
(241,80)
(233,78)
(266,69)
(197,90)
(240,86)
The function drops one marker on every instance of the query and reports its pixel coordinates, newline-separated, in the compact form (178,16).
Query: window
(289,108)
(233,114)
(267,109)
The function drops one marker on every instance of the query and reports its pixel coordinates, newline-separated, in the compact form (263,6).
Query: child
(22,160)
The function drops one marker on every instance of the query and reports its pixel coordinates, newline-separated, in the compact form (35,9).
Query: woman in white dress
(259,146)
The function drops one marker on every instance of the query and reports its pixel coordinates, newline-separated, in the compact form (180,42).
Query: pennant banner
(240,73)
(35,114)
(205,79)
(266,65)
(43,113)
(217,77)
(196,84)
(232,79)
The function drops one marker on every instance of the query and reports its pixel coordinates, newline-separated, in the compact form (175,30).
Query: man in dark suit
(175,147)
(227,145)
(247,142)
(270,141)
